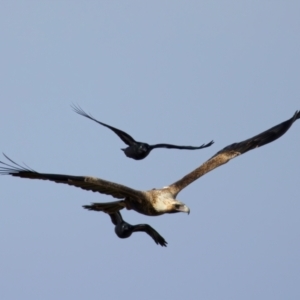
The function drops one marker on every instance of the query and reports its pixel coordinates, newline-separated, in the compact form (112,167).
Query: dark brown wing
(84,182)
(116,217)
(234,150)
(111,208)
(125,137)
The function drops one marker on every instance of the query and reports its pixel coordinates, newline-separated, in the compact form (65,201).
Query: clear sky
(182,72)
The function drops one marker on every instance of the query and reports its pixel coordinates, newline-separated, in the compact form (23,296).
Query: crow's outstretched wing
(169,146)
(158,239)
(125,137)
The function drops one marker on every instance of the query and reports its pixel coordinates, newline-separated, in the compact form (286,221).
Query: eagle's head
(171,206)
(177,206)
(164,202)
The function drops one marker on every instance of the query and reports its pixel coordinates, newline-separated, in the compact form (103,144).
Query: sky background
(181,72)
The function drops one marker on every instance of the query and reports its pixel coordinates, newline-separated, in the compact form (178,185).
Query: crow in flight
(124,230)
(136,150)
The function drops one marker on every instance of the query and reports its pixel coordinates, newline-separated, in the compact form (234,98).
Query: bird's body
(124,230)
(156,201)
(136,150)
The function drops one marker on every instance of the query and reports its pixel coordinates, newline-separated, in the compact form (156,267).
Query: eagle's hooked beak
(182,208)
(186,209)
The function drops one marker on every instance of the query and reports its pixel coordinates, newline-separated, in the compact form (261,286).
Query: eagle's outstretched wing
(84,182)
(232,151)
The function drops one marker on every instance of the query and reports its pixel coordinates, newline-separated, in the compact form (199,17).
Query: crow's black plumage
(124,230)
(137,150)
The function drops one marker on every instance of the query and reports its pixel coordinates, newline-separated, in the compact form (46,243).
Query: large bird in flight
(153,202)
(124,230)
(136,150)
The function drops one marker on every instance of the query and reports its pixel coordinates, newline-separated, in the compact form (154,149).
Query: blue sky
(167,71)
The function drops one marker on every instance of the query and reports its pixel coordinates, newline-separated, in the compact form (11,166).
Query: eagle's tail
(109,207)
